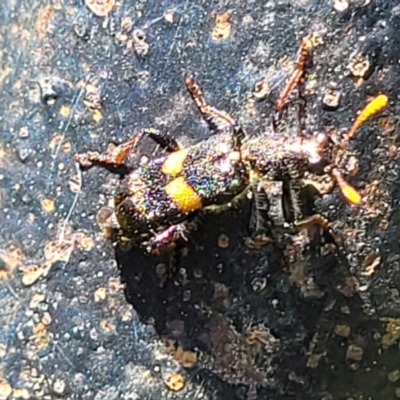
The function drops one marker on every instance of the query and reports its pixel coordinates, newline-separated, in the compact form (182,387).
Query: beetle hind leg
(317,220)
(298,197)
(165,141)
(114,156)
(166,240)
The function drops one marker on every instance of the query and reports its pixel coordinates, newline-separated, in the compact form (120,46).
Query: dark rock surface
(83,321)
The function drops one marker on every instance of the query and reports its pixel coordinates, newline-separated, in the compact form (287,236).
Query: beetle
(156,202)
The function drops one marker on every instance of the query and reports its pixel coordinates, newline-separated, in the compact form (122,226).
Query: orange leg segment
(114,155)
(298,73)
(217,119)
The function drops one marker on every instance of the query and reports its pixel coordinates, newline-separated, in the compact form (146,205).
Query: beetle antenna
(377,104)
(349,192)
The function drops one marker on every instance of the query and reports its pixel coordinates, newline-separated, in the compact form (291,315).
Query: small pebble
(175,382)
(340,5)
(223,241)
(354,353)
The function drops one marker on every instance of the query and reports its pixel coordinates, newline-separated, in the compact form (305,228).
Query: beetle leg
(309,223)
(218,120)
(289,201)
(166,240)
(298,208)
(114,156)
(260,223)
(294,80)
(163,140)
(259,213)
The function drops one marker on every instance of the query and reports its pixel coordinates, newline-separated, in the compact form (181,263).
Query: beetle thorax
(319,150)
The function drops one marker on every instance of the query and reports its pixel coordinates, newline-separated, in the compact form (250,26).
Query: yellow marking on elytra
(377,104)
(173,164)
(184,196)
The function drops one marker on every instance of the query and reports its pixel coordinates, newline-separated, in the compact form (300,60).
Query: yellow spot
(5,389)
(40,336)
(100,294)
(174,162)
(82,82)
(97,115)
(185,198)
(47,204)
(64,110)
(223,26)
(175,382)
(187,358)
